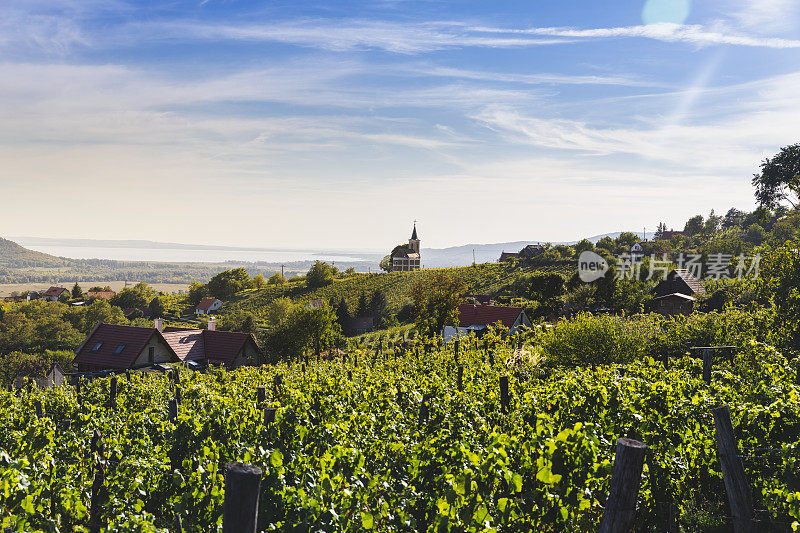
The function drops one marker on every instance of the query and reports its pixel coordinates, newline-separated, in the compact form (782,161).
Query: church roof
(404,250)
(414,233)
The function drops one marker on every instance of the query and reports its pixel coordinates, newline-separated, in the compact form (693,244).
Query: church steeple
(413,242)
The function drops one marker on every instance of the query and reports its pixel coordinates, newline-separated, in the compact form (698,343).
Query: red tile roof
(106,295)
(111,336)
(187,343)
(206,303)
(224,346)
(54,292)
(505,256)
(475,315)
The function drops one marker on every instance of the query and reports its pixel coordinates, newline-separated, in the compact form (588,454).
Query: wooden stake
(620,509)
(504,393)
(173,409)
(739,497)
(269,415)
(261,394)
(95,511)
(708,363)
(460,377)
(240,508)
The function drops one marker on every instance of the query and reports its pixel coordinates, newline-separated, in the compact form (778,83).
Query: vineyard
(387,442)
(480,279)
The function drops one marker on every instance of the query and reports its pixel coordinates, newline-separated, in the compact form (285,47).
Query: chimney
(212,324)
(159,325)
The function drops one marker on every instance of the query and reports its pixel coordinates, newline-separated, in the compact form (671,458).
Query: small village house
(102,295)
(54,293)
(118,347)
(473,317)
(673,304)
(207,306)
(676,293)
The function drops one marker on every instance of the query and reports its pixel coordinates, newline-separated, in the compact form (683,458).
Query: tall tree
(436,300)
(779,179)
(77,292)
(319,275)
(227,283)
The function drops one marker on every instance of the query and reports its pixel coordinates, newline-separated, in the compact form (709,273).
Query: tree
(259,282)
(276,279)
(606,243)
(197,291)
(660,229)
(362,309)
(77,292)
(436,300)
(778,279)
(319,275)
(377,307)
(156,308)
(712,224)
(583,246)
(733,218)
(694,225)
(138,296)
(545,286)
(386,263)
(779,179)
(627,239)
(755,234)
(292,329)
(227,283)
(343,313)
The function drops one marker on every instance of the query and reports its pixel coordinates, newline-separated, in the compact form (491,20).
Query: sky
(335,125)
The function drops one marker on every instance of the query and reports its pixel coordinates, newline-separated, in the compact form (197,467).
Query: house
(507,256)
(207,306)
(637,252)
(54,293)
(14,299)
(406,257)
(531,251)
(102,295)
(33,295)
(673,304)
(679,281)
(477,318)
(111,346)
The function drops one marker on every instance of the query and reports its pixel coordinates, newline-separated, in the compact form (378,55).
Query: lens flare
(674,11)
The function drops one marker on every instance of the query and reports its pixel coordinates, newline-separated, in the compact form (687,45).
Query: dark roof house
(54,293)
(484,315)
(679,281)
(112,346)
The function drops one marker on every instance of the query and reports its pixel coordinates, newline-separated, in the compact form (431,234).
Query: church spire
(414,233)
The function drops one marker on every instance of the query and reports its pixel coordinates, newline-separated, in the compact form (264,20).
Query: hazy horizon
(305,125)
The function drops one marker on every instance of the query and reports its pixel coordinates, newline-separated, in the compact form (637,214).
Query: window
(97,346)
(151,353)
(119,349)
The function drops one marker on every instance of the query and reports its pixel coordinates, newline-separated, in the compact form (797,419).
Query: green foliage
(352,455)
(197,291)
(275,279)
(227,283)
(156,308)
(319,275)
(259,282)
(779,179)
(138,296)
(77,292)
(436,301)
(292,329)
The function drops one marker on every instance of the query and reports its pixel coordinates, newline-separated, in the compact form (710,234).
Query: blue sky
(334,125)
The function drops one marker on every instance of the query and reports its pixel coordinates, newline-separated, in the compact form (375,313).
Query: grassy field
(6,289)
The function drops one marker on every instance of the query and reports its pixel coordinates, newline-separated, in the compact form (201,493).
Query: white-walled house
(207,305)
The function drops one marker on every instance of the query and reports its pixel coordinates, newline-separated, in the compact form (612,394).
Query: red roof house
(111,346)
(207,305)
(54,293)
(472,317)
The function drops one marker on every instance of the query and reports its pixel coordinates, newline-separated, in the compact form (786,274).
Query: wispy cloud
(668,32)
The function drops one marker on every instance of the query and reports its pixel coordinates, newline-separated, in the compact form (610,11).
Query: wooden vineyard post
(269,415)
(491,358)
(620,509)
(303,368)
(38,406)
(739,498)
(173,410)
(423,409)
(350,375)
(95,510)
(178,394)
(112,390)
(240,508)
(708,363)
(176,376)
(277,381)
(261,394)
(460,378)
(504,393)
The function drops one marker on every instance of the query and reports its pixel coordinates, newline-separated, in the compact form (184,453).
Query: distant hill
(489,253)
(12,254)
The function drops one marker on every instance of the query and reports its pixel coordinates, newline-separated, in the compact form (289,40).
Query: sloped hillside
(14,255)
(480,279)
